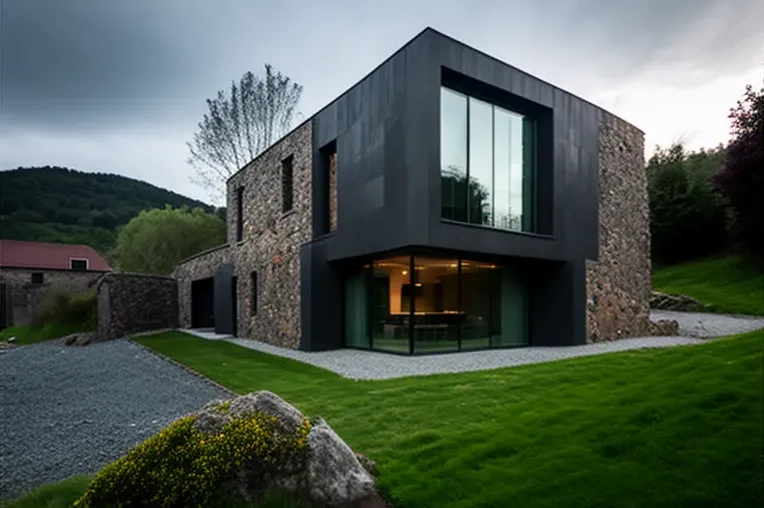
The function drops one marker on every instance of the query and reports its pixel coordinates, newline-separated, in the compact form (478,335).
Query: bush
(688,217)
(58,307)
(182,467)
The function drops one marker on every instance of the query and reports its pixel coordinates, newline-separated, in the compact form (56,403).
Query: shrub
(688,217)
(182,467)
(57,307)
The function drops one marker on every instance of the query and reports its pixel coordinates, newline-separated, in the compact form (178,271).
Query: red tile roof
(47,256)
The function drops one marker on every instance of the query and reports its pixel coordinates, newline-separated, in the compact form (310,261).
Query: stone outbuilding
(29,270)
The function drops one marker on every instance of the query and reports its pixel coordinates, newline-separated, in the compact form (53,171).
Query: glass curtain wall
(420,304)
(487,163)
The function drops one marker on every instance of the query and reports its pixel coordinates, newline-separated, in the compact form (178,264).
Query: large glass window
(420,304)
(487,163)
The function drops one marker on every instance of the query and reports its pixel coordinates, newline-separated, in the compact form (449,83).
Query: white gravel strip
(359,364)
(698,324)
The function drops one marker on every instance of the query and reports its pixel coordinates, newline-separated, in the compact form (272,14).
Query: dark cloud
(133,70)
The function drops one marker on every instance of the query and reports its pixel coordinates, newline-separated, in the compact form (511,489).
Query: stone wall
(130,303)
(272,240)
(619,283)
(25,297)
(270,244)
(333,192)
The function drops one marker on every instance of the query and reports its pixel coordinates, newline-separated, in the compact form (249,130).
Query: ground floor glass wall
(418,304)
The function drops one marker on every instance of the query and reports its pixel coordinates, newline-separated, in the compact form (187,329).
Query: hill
(54,204)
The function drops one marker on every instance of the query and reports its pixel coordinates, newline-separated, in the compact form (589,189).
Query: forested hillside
(53,204)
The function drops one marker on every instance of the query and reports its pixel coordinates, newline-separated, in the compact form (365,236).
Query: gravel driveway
(70,410)
(699,324)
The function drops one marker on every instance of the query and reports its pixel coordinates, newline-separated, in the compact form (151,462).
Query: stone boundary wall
(130,303)
(619,283)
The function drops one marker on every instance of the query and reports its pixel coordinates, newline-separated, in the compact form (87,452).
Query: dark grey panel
(224,303)
(321,303)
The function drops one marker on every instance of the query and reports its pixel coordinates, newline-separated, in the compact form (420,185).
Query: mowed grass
(729,285)
(655,428)
(32,334)
(52,495)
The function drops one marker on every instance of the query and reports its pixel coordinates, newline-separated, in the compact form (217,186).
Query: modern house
(446,202)
(30,269)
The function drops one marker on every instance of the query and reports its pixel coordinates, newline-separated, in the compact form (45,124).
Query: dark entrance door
(202,303)
(225,300)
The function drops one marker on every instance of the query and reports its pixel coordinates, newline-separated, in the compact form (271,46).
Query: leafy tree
(688,218)
(156,240)
(241,124)
(741,179)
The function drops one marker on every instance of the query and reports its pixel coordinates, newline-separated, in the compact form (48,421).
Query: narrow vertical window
(253,299)
(287,184)
(239,214)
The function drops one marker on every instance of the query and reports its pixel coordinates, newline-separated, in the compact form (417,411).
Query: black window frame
(34,276)
(72,261)
(287,184)
(239,214)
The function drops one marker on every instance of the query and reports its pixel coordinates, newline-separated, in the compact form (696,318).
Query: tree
(156,240)
(240,125)
(688,217)
(741,179)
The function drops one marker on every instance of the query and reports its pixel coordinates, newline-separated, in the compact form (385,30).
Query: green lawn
(728,285)
(52,495)
(31,334)
(657,428)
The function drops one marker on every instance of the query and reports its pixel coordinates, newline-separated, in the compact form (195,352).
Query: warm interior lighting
(405,272)
(418,284)
(453,265)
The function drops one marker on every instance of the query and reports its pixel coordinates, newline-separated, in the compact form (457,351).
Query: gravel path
(697,324)
(70,410)
(357,364)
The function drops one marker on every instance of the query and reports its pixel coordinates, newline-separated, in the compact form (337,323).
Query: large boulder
(665,301)
(664,328)
(79,339)
(331,474)
(335,475)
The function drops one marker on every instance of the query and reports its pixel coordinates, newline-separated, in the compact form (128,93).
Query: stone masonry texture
(270,245)
(130,303)
(25,297)
(619,283)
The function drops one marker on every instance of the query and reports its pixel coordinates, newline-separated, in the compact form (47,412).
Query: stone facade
(333,192)
(270,244)
(131,303)
(619,283)
(24,296)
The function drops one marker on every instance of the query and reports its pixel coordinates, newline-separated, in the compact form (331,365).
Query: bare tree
(240,125)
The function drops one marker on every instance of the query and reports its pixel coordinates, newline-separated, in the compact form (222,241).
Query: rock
(368,464)
(11,339)
(79,339)
(335,475)
(211,421)
(270,403)
(664,327)
(665,301)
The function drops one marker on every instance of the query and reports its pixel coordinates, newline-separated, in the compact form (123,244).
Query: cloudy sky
(119,86)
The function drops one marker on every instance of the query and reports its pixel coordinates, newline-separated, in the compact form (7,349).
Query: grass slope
(671,427)
(655,428)
(728,285)
(52,495)
(33,334)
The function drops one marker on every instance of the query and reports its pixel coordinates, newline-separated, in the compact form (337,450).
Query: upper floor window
(487,166)
(287,184)
(78,265)
(37,278)
(239,214)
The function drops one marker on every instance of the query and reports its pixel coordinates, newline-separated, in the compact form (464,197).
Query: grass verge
(52,495)
(33,334)
(727,285)
(653,428)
